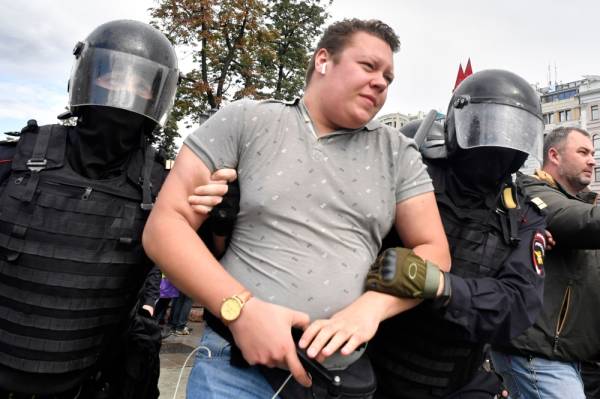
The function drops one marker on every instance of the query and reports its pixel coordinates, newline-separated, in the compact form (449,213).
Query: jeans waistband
(237,359)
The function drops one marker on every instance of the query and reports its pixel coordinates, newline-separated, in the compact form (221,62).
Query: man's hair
(337,35)
(557,137)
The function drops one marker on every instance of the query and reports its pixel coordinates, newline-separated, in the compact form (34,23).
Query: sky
(525,37)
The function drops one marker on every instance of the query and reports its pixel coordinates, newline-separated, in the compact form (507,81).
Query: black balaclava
(479,172)
(103,140)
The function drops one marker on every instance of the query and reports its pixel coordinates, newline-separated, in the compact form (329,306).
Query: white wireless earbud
(323,68)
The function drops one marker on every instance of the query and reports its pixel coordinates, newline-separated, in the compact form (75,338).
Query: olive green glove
(402,273)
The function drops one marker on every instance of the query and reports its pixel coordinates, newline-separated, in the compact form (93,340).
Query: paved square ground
(174,351)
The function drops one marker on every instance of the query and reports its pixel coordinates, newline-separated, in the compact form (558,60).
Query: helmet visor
(499,125)
(115,79)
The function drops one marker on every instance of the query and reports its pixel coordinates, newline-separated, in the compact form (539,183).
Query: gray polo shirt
(313,211)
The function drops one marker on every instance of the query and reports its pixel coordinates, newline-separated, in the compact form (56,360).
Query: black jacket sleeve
(573,223)
(151,290)
(7,152)
(496,309)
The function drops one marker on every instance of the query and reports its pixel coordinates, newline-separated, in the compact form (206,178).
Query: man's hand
(347,329)
(263,332)
(149,308)
(206,197)
(402,273)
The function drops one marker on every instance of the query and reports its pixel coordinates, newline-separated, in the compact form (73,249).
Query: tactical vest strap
(147,202)
(16,360)
(37,162)
(510,205)
(509,221)
(28,316)
(513,224)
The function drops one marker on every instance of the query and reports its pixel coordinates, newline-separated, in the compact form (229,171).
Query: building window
(594,110)
(565,115)
(548,118)
(596,141)
(597,174)
(565,95)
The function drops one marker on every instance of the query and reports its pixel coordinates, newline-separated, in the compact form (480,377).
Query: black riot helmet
(495,108)
(433,144)
(127,65)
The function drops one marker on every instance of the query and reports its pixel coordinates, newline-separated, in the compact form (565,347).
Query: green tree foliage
(297,24)
(239,48)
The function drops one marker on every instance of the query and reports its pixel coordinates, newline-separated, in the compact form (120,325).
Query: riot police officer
(494,289)
(71,216)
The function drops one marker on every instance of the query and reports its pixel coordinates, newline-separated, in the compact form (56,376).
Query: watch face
(230,309)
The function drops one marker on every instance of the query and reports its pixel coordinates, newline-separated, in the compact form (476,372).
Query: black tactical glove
(224,215)
(402,273)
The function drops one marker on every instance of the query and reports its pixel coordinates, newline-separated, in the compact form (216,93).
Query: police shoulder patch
(538,251)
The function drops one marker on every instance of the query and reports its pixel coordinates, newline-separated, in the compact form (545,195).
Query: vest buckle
(37,165)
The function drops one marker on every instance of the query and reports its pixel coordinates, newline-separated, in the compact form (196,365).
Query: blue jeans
(537,377)
(212,377)
(180,311)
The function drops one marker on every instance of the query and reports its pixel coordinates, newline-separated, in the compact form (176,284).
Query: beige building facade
(397,120)
(589,97)
(575,104)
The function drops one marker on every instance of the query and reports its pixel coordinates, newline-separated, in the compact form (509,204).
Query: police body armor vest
(418,346)
(71,259)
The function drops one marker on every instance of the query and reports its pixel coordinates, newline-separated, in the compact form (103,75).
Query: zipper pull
(87,193)
(555,344)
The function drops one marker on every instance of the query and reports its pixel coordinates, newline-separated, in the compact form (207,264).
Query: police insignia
(537,201)
(538,250)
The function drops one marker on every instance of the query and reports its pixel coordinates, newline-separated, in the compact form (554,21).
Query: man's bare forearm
(176,247)
(171,240)
(437,254)
(388,305)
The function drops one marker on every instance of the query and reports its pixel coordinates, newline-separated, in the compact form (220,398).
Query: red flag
(468,70)
(459,77)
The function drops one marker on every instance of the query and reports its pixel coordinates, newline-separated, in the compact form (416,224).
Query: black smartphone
(317,371)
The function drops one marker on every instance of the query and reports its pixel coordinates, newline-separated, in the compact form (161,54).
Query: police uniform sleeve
(7,152)
(151,291)
(497,309)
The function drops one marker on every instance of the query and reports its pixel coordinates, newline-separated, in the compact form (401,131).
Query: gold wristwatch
(231,308)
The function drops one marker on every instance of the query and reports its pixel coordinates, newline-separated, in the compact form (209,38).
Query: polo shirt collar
(373,124)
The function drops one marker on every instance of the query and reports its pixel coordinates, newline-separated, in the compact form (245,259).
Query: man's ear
(554,155)
(321,59)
